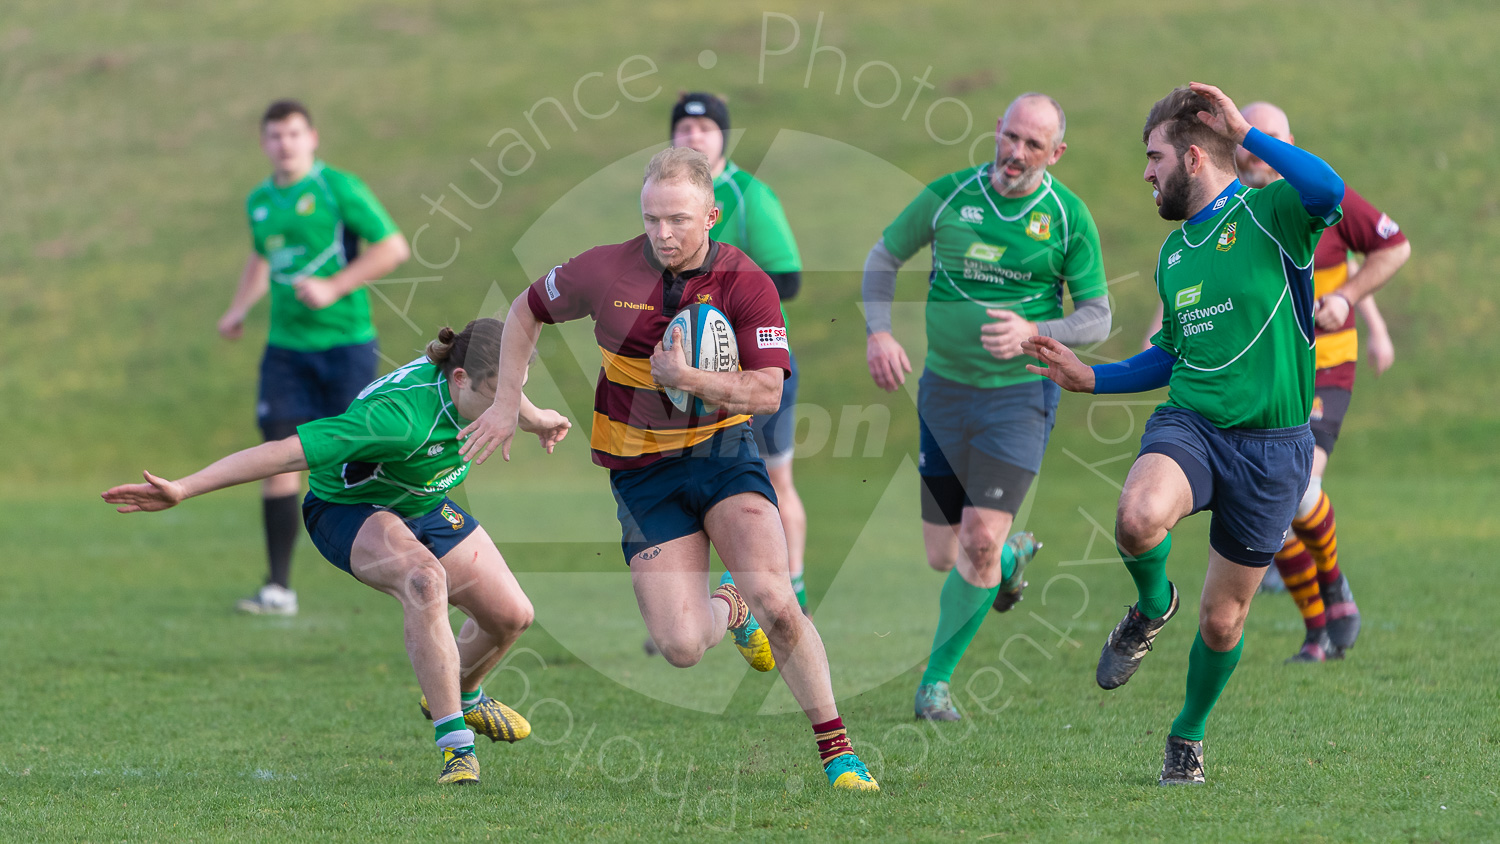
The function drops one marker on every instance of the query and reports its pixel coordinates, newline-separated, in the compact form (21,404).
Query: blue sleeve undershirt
(1316,183)
(1149,370)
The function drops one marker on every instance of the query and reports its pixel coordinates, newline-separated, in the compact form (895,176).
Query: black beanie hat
(700,104)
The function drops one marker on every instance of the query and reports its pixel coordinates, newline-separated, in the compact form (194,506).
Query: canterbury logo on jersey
(307,204)
(971,214)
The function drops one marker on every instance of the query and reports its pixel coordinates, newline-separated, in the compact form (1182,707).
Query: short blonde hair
(681,164)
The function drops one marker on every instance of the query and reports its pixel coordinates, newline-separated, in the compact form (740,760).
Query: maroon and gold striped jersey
(1364,229)
(631,298)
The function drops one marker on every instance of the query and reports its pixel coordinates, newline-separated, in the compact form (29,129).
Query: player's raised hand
(669,367)
(888,361)
(1003,337)
(1228,122)
(549,426)
(318,293)
(155,494)
(495,428)
(1060,364)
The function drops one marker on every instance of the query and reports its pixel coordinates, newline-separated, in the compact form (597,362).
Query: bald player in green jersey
(1236,348)
(306,224)
(752,220)
(379,510)
(1007,239)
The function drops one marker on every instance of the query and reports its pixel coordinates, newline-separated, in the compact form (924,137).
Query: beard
(1176,194)
(1028,177)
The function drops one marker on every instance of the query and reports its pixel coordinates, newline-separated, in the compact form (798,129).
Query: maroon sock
(833,740)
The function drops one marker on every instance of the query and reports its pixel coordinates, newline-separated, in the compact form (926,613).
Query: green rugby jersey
(309,229)
(992,251)
(396,445)
(752,220)
(1237,296)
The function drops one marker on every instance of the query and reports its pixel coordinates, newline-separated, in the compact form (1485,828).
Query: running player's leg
(774,438)
(672,590)
(1227,590)
(483,587)
(793,523)
(1315,526)
(387,556)
(1156,495)
(1299,570)
(746,531)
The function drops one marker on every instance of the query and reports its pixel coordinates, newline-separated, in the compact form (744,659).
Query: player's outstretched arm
(1059,364)
(252,464)
(496,427)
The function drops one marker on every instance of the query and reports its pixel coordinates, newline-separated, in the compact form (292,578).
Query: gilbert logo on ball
(709,343)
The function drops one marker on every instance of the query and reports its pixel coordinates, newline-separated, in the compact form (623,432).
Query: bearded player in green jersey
(306,223)
(1006,239)
(379,510)
(751,219)
(1236,348)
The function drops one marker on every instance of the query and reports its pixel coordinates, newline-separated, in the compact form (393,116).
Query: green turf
(139,708)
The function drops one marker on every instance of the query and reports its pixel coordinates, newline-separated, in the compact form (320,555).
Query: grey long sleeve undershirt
(1089,322)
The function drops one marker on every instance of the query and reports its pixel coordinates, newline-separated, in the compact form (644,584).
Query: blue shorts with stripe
(1251,478)
(333,527)
(669,498)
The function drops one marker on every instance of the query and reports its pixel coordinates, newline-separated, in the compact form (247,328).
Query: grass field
(139,708)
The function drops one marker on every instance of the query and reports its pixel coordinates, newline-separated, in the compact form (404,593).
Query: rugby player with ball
(685,473)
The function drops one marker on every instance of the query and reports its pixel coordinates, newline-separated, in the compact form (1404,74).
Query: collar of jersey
(703,269)
(730,168)
(280,194)
(1030,200)
(1212,209)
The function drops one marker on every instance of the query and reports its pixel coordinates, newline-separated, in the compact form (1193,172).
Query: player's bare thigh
(1156,495)
(483,586)
(1319,462)
(671,588)
(389,557)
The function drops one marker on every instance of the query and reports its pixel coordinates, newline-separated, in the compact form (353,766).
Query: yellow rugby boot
(491,718)
(460,767)
(847,771)
(749,639)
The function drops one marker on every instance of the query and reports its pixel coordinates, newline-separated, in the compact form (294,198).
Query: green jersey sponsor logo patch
(1189,296)
(981,251)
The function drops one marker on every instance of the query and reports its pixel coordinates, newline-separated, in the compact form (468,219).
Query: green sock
(452,733)
(801,589)
(469,700)
(963,607)
(1208,671)
(1150,573)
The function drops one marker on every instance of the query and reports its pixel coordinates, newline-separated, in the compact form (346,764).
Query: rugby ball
(708,343)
